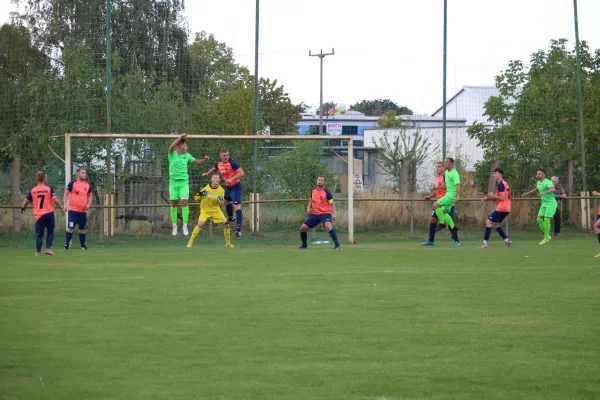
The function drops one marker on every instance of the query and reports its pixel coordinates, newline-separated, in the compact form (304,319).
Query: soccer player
(231,171)
(321,209)
(545,190)
(439,190)
(43,198)
(211,199)
(597,224)
(77,199)
(502,196)
(179,186)
(443,206)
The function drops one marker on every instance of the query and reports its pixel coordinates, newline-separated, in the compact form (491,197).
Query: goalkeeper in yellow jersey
(211,199)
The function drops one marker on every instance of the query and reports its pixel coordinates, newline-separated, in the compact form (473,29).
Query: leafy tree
(400,155)
(378,107)
(389,120)
(327,105)
(535,117)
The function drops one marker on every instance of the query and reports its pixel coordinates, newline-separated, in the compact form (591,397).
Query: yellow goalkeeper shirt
(210,198)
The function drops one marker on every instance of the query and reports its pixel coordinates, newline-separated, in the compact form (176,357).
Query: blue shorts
(234,193)
(46,221)
(498,216)
(314,219)
(451,213)
(77,218)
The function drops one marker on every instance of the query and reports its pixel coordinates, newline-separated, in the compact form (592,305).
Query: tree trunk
(570,187)
(491,205)
(404,174)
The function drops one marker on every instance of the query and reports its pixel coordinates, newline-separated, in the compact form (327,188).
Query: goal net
(131,184)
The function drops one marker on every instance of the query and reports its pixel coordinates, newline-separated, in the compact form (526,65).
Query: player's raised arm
(200,161)
(529,193)
(210,171)
(176,142)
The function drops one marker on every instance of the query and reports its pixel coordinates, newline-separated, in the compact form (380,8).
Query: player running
(444,205)
(179,181)
(545,190)
(439,190)
(211,199)
(77,199)
(502,196)
(43,198)
(321,209)
(231,171)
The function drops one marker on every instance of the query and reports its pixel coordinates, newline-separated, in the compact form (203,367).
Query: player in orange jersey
(43,198)
(502,196)
(78,198)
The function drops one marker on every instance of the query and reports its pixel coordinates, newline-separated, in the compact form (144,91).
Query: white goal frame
(349,139)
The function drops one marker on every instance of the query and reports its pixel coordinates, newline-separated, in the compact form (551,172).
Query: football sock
(69,237)
(541,224)
(304,238)
(334,237)
(448,220)
(432,232)
(82,239)
(195,233)
(185,213)
(227,234)
(174,215)
(547,228)
(501,233)
(238,218)
(488,232)
(229,209)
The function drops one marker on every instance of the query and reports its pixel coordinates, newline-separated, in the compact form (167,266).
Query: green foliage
(303,165)
(389,120)
(534,120)
(378,107)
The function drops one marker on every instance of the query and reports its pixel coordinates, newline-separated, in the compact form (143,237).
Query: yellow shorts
(216,216)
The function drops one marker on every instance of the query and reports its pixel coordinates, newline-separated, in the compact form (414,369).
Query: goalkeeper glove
(219,199)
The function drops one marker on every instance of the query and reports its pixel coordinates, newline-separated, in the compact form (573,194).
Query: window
(350,130)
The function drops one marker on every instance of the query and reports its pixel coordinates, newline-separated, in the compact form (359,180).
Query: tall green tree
(389,120)
(378,107)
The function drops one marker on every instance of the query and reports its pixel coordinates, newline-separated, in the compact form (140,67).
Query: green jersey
(548,198)
(178,165)
(452,178)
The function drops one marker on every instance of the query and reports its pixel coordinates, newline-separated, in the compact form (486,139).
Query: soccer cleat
(441,227)
(66,247)
(238,234)
(427,243)
(484,246)
(231,218)
(230,246)
(456,243)
(545,241)
(37,254)
(189,246)
(185,230)
(84,247)
(507,243)
(338,247)
(303,247)
(174,231)
(48,252)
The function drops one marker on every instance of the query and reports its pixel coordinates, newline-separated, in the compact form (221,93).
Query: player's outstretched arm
(200,161)
(529,193)
(176,142)
(210,172)
(24,205)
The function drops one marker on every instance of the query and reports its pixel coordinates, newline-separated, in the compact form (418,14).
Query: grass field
(383,319)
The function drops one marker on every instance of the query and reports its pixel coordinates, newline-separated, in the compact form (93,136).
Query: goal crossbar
(349,139)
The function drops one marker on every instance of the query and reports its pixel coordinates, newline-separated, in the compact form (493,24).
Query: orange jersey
(321,201)
(439,181)
(42,197)
(503,188)
(80,192)
(228,170)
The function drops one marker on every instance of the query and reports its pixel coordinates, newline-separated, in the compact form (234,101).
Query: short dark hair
(499,170)
(543,170)
(322,176)
(223,150)
(41,176)
(451,159)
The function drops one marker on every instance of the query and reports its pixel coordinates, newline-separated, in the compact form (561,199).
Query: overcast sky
(386,48)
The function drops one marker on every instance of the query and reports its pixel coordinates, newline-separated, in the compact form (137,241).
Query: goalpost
(270,147)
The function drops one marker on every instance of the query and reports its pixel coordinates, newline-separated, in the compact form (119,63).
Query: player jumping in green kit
(545,189)
(444,205)
(179,181)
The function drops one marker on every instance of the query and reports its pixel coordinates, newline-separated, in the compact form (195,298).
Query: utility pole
(321,55)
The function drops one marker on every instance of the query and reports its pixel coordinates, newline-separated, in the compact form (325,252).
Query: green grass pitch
(381,319)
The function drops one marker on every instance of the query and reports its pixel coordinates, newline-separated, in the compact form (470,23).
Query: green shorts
(547,210)
(447,201)
(179,190)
